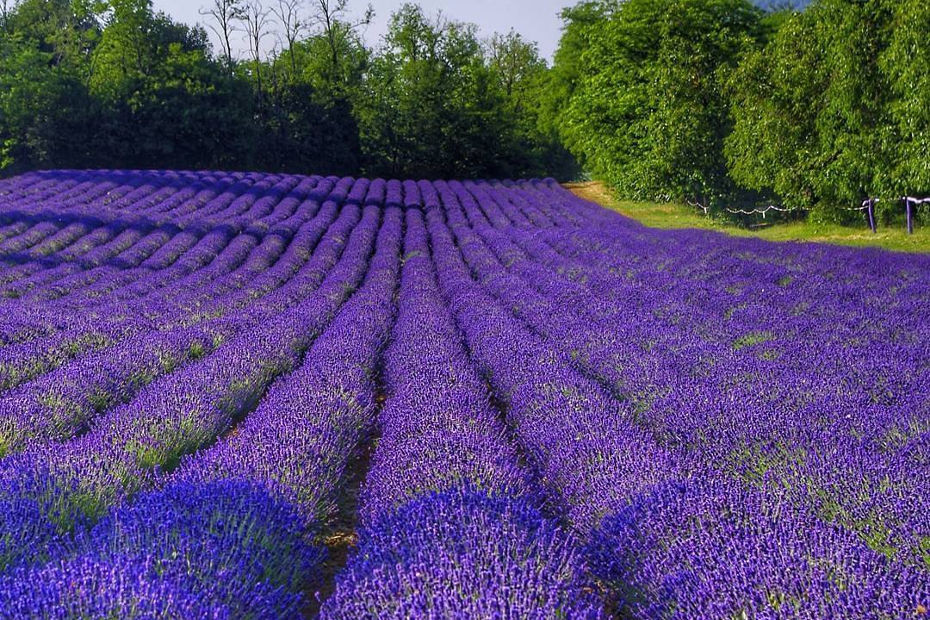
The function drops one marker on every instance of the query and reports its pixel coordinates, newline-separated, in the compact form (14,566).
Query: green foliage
(775,95)
(42,105)
(647,109)
(713,101)
(807,109)
(526,82)
(829,112)
(709,101)
(111,83)
(434,104)
(905,62)
(306,130)
(312,58)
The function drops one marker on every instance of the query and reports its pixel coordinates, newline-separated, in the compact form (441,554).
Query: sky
(536,20)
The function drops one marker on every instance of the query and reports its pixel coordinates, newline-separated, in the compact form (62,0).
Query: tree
(162,100)
(852,123)
(6,10)
(580,24)
(811,115)
(524,81)
(226,14)
(125,53)
(516,63)
(290,16)
(331,17)
(112,83)
(647,111)
(430,106)
(314,62)
(906,63)
(45,110)
(26,90)
(69,30)
(775,96)
(256,20)
(303,132)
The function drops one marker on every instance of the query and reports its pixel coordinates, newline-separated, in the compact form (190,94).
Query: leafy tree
(811,113)
(162,100)
(776,93)
(307,120)
(906,63)
(430,106)
(580,25)
(136,43)
(315,66)
(304,131)
(66,29)
(648,112)
(524,80)
(338,34)
(25,92)
(852,126)
(112,83)
(515,63)
(45,111)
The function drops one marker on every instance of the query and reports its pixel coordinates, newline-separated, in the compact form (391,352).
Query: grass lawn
(672,215)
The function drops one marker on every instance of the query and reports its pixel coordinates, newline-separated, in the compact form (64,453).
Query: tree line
(717,102)
(811,106)
(112,83)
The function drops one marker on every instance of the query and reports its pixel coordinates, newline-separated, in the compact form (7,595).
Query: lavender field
(272,396)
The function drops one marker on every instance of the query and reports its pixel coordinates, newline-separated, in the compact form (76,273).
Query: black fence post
(910,218)
(871,211)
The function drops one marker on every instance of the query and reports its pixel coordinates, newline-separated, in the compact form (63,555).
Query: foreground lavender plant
(224,549)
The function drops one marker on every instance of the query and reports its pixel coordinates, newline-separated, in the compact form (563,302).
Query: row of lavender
(573,405)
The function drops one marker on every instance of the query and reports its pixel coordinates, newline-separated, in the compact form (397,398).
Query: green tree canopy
(648,111)
(829,112)
(905,62)
(94,83)
(431,106)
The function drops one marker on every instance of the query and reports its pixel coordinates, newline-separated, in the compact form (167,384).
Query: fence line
(760,210)
(868,206)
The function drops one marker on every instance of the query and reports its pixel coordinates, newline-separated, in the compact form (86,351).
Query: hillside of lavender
(233,395)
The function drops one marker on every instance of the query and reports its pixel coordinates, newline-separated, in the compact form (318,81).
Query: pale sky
(536,20)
